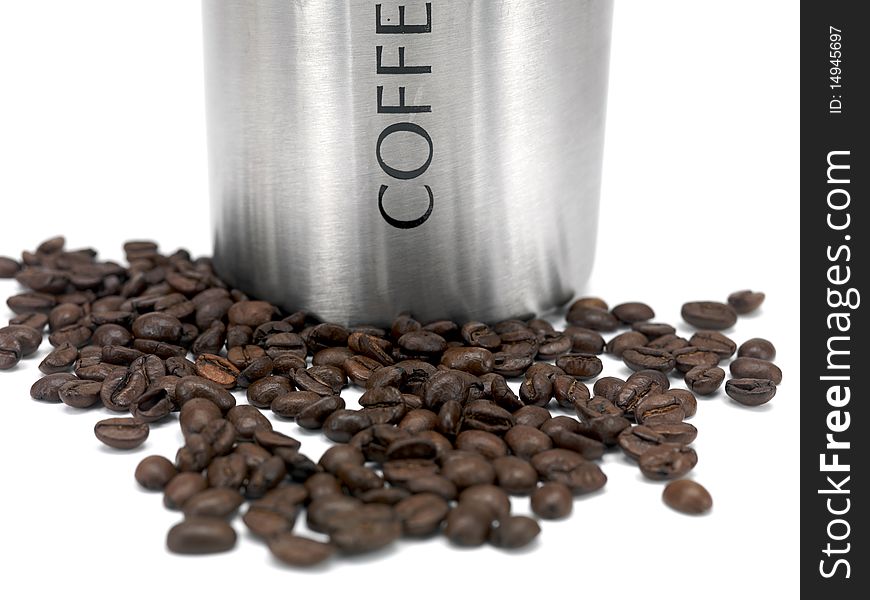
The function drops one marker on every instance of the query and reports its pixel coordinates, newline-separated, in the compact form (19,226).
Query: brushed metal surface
(517,91)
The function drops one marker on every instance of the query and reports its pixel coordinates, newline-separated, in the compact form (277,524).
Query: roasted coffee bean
(687,399)
(238,335)
(201,535)
(659,408)
(123,433)
(589,302)
(154,472)
(639,385)
(592,408)
(274,439)
(705,380)
(635,441)
(638,359)
(476,361)
(515,475)
(75,335)
(314,415)
(667,461)
(196,414)
(486,416)
(36,320)
(690,357)
(195,455)
(441,387)
(713,341)
(119,355)
(343,424)
(268,329)
(10,351)
(290,404)
(374,441)
(491,497)
(64,315)
(217,369)
(606,429)
(418,420)
(263,392)
(265,477)
(327,335)
(554,345)
(525,441)
(668,342)
(468,525)
(709,315)
(569,468)
(31,302)
(410,448)
(757,348)
(181,488)
(575,441)
(508,364)
(585,341)
(366,535)
(228,471)
(687,496)
(8,267)
(157,326)
(584,366)
(320,485)
(624,341)
(80,393)
(421,343)
(371,346)
(633,312)
(280,344)
(552,501)
(653,330)
(480,335)
(248,420)
(596,319)
(435,484)
(154,405)
(514,532)
(484,443)
(676,433)
(422,514)
(750,392)
(745,301)
(608,387)
(358,478)
(298,551)
(216,502)
(28,337)
(47,388)
(450,418)
(252,313)
(465,469)
(537,389)
(256,370)
(334,356)
(193,386)
(755,368)
(385,495)
(534,416)
(209,341)
(121,388)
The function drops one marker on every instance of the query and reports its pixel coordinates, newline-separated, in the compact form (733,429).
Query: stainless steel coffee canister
(369,157)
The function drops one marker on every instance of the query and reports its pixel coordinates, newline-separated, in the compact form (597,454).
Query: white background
(102,138)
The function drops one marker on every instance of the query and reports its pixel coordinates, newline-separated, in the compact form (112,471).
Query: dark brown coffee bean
(687,496)
(653,330)
(36,320)
(422,514)
(201,535)
(360,368)
(585,341)
(667,461)
(468,525)
(371,346)
(757,348)
(705,380)
(552,501)
(687,399)
(534,416)
(492,498)
(411,447)
(690,357)
(676,433)
(80,393)
(31,302)
(10,351)
(554,345)
(154,472)
(486,416)
(572,439)
(537,389)
(64,315)
(525,441)
(8,267)
(47,388)
(314,415)
(190,387)
(745,301)
(217,369)
(28,337)
(633,312)
(515,475)
(366,536)
(265,477)
(434,484)
(121,388)
(252,313)
(275,439)
(227,471)
(639,385)
(638,359)
(216,502)
(298,551)
(596,319)
(514,532)
(421,343)
(157,326)
(659,408)
(196,414)
(418,420)
(476,361)
(155,404)
(749,391)
(668,342)
(291,404)
(333,357)
(589,302)
(709,315)
(755,368)
(248,420)
(584,366)
(465,469)
(263,392)
(608,387)
(123,433)
(713,341)
(569,468)
(635,441)
(624,341)
(480,335)
(119,355)
(484,443)
(343,424)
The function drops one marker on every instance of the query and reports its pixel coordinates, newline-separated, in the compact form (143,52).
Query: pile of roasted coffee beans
(441,441)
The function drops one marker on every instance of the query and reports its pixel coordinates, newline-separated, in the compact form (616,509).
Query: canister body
(372,157)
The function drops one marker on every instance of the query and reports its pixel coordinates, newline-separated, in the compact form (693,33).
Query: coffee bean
(492,498)
(28,338)
(480,335)
(515,475)
(534,416)
(624,341)
(569,468)
(248,420)
(667,461)
(585,341)
(263,392)
(334,356)
(434,484)
(484,443)
(252,313)
(552,501)
(421,343)
(583,366)
(47,388)
(755,368)
(314,415)
(298,551)
(668,342)
(157,326)
(468,525)
(476,361)
(80,393)
(465,469)
(122,433)
(154,472)
(705,380)
(745,301)
(217,369)
(215,502)
(690,357)
(31,302)
(525,441)
(750,391)
(36,320)
(589,302)
(638,359)
(422,514)
(659,408)
(514,532)
(687,496)
(8,267)
(64,315)
(757,348)
(596,319)
(653,330)
(633,312)
(709,315)
(608,387)
(487,416)
(713,341)
(201,535)
(10,351)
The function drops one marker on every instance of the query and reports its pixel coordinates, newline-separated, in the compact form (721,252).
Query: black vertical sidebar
(834,171)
